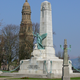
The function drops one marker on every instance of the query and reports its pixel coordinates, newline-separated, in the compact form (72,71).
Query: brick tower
(25,34)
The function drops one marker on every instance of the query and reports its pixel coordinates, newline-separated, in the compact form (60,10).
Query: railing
(13,69)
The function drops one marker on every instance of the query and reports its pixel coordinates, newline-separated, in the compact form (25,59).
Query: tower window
(29,28)
(26,7)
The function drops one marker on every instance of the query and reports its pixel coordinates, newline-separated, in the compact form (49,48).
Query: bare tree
(1,50)
(1,22)
(11,42)
(35,27)
(54,33)
(59,54)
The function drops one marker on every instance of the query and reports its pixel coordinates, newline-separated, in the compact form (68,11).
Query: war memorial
(44,60)
(44,63)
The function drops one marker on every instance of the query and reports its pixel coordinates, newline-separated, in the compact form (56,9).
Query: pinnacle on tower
(26,0)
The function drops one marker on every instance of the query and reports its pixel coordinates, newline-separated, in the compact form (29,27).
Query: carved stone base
(66,78)
(42,66)
(65,72)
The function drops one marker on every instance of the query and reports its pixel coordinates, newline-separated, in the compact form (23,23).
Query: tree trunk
(0,65)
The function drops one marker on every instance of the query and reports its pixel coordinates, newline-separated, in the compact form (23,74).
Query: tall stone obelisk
(46,27)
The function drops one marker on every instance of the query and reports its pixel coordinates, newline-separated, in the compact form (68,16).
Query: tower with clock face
(25,34)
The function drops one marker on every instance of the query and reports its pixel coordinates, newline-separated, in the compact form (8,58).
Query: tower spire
(26,0)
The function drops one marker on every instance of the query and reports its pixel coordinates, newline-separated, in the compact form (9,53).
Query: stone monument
(65,69)
(44,60)
(46,27)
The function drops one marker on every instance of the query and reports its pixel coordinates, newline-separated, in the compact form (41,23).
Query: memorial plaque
(33,67)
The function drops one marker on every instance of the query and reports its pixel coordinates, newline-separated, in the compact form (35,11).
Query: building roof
(26,3)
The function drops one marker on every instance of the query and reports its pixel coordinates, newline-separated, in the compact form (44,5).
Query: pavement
(3,79)
(17,75)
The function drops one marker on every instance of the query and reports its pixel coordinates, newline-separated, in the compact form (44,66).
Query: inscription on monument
(49,41)
(33,67)
(42,12)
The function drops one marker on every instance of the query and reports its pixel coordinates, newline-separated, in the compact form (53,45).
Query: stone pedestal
(42,63)
(50,53)
(66,78)
(42,66)
(65,73)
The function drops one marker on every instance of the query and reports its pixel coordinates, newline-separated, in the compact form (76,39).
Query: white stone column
(46,27)
(46,24)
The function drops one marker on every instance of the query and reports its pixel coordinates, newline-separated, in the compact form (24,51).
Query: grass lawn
(8,77)
(4,76)
(78,78)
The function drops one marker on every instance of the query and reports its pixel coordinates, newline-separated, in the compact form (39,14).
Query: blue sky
(65,20)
